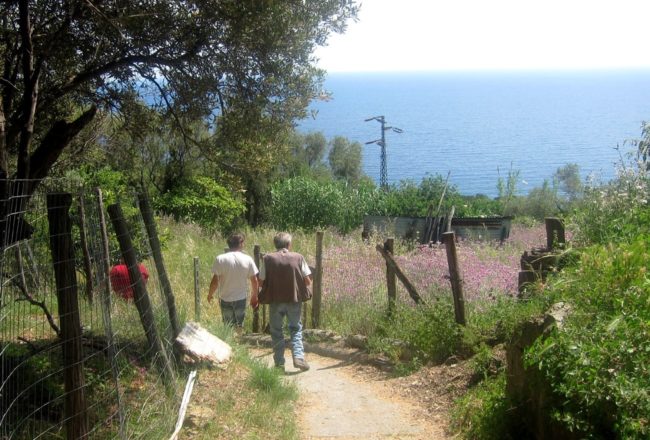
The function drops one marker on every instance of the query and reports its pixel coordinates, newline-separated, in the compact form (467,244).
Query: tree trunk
(17,193)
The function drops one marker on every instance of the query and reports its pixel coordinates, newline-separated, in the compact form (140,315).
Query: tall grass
(354,284)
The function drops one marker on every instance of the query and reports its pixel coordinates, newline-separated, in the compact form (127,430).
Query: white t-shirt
(234,270)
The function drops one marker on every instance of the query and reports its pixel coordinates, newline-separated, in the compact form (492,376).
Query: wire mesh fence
(114,354)
(122,374)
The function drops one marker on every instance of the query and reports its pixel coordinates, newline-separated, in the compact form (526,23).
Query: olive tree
(345,159)
(62,61)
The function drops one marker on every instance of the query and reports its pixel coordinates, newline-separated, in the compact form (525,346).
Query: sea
(479,126)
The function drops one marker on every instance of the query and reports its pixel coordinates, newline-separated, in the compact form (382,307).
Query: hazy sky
(398,35)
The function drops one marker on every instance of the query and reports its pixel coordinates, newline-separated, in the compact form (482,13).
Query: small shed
(413,228)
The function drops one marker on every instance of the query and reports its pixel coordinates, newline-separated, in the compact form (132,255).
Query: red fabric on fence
(121,282)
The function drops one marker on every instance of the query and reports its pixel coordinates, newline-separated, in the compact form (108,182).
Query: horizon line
(499,70)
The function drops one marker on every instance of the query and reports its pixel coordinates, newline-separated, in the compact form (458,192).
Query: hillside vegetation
(597,366)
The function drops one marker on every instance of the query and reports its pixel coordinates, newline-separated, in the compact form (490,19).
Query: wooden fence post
(265,321)
(318,282)
(256,310)
(141,297)
(61,246)
(526,277)
(554,233)
(197,291)
(152,233)
(450,218)
(455,277)
(391,282)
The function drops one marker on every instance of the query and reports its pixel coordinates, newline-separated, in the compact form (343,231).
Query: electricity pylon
(383,174)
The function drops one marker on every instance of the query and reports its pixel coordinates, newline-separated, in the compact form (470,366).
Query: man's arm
(255,286)
(306,272)
(213,287)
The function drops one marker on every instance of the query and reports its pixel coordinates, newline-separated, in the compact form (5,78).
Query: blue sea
(478,126)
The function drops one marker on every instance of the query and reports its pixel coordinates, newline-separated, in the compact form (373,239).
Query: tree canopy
(246,62)
(345,159)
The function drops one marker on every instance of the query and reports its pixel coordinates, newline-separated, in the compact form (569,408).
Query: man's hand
(214,284)
(255,287)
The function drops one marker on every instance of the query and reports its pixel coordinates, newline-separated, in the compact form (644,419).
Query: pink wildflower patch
(355,271)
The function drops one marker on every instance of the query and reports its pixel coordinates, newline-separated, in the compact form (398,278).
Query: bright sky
(406,35)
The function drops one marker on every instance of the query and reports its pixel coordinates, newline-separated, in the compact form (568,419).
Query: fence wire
(116,356)
(124,394)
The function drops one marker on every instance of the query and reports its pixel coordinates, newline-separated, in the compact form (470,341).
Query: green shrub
(429,332)
(600,362)
(482,363)
(615,211)
(494,321)
(482,413)
(302,202)
(203,201)
(409,199)
(115,188)
(540,202)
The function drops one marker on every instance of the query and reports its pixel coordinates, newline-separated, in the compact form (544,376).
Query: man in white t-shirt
(232,272)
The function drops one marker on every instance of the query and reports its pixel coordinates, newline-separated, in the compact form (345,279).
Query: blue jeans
(277,312)
(233,312)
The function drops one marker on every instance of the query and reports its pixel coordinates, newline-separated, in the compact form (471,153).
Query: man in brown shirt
(286,278)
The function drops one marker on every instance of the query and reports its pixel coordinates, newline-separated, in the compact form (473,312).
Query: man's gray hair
(282,240)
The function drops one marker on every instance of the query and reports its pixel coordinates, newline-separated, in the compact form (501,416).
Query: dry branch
(410,288)
(22,286)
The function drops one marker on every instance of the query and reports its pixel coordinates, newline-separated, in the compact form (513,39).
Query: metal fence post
(197,291)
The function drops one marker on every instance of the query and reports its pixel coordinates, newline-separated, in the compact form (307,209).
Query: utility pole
(383,175)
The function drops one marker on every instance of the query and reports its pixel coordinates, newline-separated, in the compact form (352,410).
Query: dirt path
(342,400)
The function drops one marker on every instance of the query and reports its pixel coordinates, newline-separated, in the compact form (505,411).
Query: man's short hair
(282,240)
(235,240)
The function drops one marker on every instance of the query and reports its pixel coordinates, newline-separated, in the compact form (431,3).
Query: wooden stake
(455,277)
(318,282)
(256,310)
(554,233)
(391,284)
(394,268)
(76,419)
(152,233)
(141,297)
